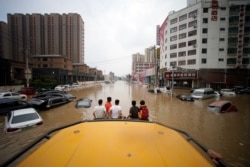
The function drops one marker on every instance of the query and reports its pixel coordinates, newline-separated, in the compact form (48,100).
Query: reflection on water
(228,133)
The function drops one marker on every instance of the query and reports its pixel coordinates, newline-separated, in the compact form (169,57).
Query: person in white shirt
(116,110)
(99,111)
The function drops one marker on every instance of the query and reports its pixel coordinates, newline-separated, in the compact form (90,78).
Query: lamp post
(172,91)
(27,73)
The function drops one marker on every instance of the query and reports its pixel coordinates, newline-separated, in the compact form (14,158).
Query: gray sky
(114,29)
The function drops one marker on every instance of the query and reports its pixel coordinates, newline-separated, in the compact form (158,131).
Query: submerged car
(13,95)
(22,119)
(222,106)
(56,93)
(47,102)
(227,92)
(9,104)
(83,103)
(184,97)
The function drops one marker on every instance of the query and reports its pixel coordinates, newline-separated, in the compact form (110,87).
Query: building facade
(44,43)
(211,38)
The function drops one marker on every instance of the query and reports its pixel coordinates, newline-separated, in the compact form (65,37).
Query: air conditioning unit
(194,45)
(195,26)
(194,16)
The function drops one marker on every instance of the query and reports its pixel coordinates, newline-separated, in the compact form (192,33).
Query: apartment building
(144,65)
(35,36)
(207,43)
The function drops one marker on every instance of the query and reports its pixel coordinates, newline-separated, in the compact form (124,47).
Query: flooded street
(228,133)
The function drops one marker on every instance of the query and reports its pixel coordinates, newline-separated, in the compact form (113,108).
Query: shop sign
(180,75)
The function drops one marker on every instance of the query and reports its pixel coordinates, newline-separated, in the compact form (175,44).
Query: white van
(203,93)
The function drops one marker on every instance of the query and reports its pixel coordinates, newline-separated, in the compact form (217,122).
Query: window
(192,14)
(204,50)
(183,35)
(45,59)
(234,19)
(173,55)
(203,61)
(223,19)
(181,54)
(231,61)
(183,26)
(205,20)
(204,40)
(245,61)
(174,29)
(205,10)
(173,38)
(220,59)
(190,43)
(221,49)
(173,21)
(233,30)
(183,44)
(182,62)
(192,61)
(45,65)
(223,8)
(173,63)
(183,17)
(232,50)
(173,46)
(233,40)
(192,24)
(191,52)
(192,33)
(204,30)
(222,29)
(222,39)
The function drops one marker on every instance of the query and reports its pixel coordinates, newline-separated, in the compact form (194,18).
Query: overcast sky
(114,29)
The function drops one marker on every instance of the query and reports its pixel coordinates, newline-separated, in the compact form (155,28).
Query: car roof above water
(24,111)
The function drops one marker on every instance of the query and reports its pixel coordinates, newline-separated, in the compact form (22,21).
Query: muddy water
(228,133)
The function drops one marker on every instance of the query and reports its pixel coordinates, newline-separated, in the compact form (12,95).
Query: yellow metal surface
(121,143)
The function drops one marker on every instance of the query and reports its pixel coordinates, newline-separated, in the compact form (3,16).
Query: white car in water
(13,95)
(22,119)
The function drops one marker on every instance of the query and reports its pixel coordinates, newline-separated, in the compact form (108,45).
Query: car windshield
(24,118)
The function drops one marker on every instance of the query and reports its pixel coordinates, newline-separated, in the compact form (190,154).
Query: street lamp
(172,91)
(27,73)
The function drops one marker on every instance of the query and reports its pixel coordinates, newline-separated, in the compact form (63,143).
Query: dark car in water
(9,104)
(184,97)
(83,103)
(56,93)
(47,102)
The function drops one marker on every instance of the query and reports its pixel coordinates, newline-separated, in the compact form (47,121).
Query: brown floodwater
(227,133)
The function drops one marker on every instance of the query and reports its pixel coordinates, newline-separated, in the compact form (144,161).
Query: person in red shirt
(108,105)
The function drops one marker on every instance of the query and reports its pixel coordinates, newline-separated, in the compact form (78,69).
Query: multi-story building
(208,43)
(143,66)
(39,42)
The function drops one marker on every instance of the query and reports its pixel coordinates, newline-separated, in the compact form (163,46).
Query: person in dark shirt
(133,111)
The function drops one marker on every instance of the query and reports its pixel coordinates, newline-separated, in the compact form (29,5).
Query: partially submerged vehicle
(227,92)
(116,143)
(185,97)
(203,93)
(22,119)
(222,106)
(47,102)
(83,103)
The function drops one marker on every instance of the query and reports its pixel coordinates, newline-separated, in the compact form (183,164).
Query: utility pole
(27,73)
